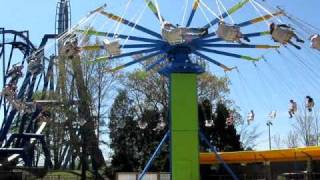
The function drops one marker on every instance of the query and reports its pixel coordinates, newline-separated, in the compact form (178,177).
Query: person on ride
(250,117)
(112,47)
(309,103)
(283,34)
(178,35)
(17,105)
(230,33)
(315,41)
(273,114)
(292,108)
(15,73)
(35,66)
(9,91)
(230,119)
(70,46)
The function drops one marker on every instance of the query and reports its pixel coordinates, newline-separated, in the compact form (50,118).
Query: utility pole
(269,124)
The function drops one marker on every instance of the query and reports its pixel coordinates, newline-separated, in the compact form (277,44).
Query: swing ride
(167,51)
(175,44)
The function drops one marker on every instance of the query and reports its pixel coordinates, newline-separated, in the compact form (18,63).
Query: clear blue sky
(269,86)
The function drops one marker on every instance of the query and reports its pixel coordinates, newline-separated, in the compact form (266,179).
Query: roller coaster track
(15,144)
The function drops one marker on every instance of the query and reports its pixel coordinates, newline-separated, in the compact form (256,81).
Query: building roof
(281,155)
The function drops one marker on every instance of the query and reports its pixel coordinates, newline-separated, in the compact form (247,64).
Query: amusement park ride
(25,118)
(170,49)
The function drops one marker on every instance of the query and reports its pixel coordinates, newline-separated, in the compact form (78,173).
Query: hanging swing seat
(112,47)
(70,47)
(282,35)
(180,35)
(9,92)
(250,117)
(272,114)
(230,120)
(15,71)
(209,123)
(315,41)
(229,33)
(35,66)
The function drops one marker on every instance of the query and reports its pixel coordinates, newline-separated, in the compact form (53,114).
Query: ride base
(184,126)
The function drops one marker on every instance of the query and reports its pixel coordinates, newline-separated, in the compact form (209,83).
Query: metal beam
(104,58)
(121,36)
(194,9)
(136,61)
(239,46)
(131,24)
(224,67)
(229,54)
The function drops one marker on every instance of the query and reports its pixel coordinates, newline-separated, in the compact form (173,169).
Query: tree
(81,92)
(220,134)
(138,118)
(292,140)
(306,127)
(134,138)
(277,140)
(248,136)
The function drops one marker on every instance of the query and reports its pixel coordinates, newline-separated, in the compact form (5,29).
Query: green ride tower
(184,129)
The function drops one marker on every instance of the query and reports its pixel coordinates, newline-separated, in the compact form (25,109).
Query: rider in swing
(283,34)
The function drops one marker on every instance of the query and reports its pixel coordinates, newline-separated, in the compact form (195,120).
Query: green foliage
(133,144)
(212,87)
(224,137)
(143,99)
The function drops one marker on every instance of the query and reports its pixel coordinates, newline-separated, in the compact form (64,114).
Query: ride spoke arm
(204,41)
(154,9)
(194,9)
(204,38)
(209,35)
(151,66)
(229,12)
(134,61)
(92,47)
(264,33)
(230,54)
(240,46)
(104,58)
(91,32)
(224,67)
(260,19)
(97,10)
(131,24)
(126,46)
(121,36)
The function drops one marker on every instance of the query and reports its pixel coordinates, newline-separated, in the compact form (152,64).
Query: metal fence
(166,176)
(148,176)
(59,177)
(284,176)
(11,175)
